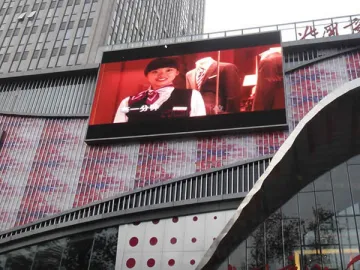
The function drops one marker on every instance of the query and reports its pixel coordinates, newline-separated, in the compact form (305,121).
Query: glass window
(52,27)
(20,259)
(329,241)
(290,208)
(42,6)
(34,29)
(9,33)
(325,204)
(238,257)
(36,6)
(81,23)
(347,231)
(326,217)
(313,257)
(323,182)
(43,53)
(255,257)
(341,190)
(2,257)
(36,54)
(62,25)
(9,10)
(6,57)
(17,56)
(309,187)
(54,51)
(27,30)
(25,55)
(273,241)
(62,51)
(48,255)
(71,25)
(74,49)
(354,176)
(291,233)
(44,28)
(76,254)
(257,237)
(357,218)
(89,22)
(70,2)
(82,48)
(52,4)
(307,212)
(83,251)
(104,250)
(16,32)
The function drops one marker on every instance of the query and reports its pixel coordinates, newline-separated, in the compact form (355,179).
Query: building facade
(149,20)
(36,35)
(167,204)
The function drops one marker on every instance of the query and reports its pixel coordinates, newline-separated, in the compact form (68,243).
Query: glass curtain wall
(90,251)
(317,229)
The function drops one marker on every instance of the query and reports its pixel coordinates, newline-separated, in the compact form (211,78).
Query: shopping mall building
(270,197)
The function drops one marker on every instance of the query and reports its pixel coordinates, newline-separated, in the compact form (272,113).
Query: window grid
(129,23)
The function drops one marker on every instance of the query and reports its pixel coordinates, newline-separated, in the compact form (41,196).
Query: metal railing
(220,183)
(312,29)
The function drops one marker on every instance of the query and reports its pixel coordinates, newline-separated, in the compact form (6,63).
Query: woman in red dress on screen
(162,99)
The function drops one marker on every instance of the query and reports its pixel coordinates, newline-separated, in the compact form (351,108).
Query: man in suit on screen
(269,93)
(204,78)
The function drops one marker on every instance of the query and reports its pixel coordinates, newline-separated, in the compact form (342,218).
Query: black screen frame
(243,122)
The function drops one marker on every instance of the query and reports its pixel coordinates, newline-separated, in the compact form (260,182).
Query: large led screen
(218,85)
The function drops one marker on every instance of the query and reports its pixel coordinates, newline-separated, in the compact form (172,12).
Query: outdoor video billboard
(200,87)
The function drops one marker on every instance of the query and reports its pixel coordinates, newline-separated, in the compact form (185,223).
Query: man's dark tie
(200,73)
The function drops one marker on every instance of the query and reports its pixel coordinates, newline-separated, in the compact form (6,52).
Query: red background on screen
(122,79)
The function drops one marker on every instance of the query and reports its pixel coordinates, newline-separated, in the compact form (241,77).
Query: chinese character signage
(329,30)
(189,88)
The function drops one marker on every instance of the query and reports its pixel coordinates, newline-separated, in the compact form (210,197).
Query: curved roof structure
(327,136)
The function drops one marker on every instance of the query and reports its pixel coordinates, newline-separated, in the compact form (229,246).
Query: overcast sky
(237,14)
